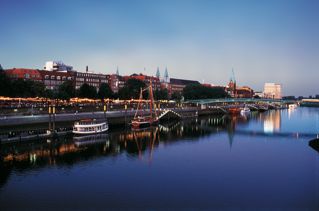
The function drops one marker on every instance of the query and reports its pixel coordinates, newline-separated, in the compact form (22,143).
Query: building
(244,92)
(116,82)
(23,73)
(156,85)
(174,84)
(57,66)
(89,77)
(272,91)
(52,79)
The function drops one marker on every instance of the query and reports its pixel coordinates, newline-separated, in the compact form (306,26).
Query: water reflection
(139,143)
(272,121)
(188,162)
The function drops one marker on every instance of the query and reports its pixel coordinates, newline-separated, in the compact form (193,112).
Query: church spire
(166,73)
(157,72)
(117,71)
(232,77)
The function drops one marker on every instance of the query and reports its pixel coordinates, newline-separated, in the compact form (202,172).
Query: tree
(124,93)
(132,90)
(161,94)
(176,95)
(66,90)
(87,91)
(192,91)
(18,88)
(51,94)
(105,91)
(5,84)
(197,91)
(38,89)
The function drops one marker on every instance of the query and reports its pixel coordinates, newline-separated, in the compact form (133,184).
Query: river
(259,161)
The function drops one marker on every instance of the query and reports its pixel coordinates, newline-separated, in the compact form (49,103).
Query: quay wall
(113,118)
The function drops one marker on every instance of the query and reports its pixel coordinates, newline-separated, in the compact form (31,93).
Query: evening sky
(265,41)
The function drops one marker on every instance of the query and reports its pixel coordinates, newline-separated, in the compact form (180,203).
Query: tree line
(131,90)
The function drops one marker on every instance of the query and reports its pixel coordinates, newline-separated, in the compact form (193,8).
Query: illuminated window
(63,78)
(52,77)
(46,77)
(58,77)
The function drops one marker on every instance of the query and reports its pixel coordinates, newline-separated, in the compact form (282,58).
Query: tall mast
(151,97)
(141,102)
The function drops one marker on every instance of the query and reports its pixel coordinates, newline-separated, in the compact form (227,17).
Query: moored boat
(235,110)
(90,126)
(245,110)
(263,108)
(293,106)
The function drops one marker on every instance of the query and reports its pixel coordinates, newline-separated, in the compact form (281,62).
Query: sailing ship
(142,121)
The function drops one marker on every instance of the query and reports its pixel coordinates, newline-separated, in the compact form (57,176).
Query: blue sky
(264,41)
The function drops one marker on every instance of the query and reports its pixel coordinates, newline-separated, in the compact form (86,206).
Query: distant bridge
(239,100)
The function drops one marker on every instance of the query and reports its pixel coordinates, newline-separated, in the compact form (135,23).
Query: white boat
(90,126)
(245,110)
(293,106)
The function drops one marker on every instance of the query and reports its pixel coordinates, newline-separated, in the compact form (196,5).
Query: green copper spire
(157,72)
(117,71)
(166,73)
(232,77)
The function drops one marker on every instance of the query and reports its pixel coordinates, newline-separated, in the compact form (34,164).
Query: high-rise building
(272,91)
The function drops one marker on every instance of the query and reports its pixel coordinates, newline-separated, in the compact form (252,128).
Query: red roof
(23,73)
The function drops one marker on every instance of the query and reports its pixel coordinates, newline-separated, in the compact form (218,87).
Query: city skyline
(264,41)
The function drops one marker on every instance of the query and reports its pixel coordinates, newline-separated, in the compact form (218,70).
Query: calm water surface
(261,161)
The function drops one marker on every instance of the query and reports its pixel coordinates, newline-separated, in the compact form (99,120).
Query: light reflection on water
(251,162)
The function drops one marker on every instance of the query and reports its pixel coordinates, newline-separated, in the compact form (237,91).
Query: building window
(32,76)
(27,75)
(46,77)
(69,78)
(38,76)
(58,77)
(63,78)
(58,82)
(47,87)
(46,82)
(52,77)
(52,82)
(52,87)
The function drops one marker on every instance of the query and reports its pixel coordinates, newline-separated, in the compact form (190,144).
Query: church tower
(117,71)
(166,73)
(157,72)
(232,82)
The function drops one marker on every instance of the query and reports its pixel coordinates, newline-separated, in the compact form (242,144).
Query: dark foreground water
(261,161)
